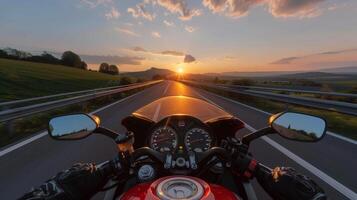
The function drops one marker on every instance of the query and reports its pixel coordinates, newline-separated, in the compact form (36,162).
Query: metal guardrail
(9,103)
(336,106)
(19,112)
(294,90)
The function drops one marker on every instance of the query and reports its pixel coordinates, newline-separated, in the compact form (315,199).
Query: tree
(84,65)
(71,59)
(113,69)
(3,54)
(244,82)
(44,58)
(104,67)
(108,69)
(126,80)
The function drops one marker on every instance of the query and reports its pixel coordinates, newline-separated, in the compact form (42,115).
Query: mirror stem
(106,132)
(250,137)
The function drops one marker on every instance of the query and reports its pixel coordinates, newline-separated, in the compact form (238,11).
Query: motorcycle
(184,151)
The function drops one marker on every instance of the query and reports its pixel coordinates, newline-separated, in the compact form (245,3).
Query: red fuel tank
(178,187)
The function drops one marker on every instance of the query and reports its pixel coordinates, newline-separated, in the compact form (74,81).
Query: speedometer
(197,140)
(163,139)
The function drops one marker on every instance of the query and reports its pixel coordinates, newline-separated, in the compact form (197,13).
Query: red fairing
(148,191)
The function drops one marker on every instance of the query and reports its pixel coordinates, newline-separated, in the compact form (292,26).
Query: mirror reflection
(71,126)
(297,126)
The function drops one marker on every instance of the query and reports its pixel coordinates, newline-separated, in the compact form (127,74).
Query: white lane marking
(267,113)
(167,87)
(342,137)
(20,144)
(40,135)
(157,111)
(323,176)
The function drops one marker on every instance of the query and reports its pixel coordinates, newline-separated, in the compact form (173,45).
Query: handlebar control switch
(192,160)
(146,173)
(180,162)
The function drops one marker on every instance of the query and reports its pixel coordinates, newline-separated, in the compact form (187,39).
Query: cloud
(167,23)
(127,31)
(96,59)
(112,14)
(179,7)
(140,11)
(166,52)
(287,60)
(337,52)
(233,8)
(137,48)
(172,53)
(215,5)
(189,29)
(155,34)
(295,8)
(278,8)
(188,59)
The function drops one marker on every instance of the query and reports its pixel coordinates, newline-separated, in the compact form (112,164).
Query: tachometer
(163,139)
(197,140)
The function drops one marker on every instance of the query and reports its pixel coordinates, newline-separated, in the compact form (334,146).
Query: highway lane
(34,163)
(331,155)
(37,161)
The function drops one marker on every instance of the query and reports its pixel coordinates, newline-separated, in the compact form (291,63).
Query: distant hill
(341,70)
(315,76)
(324,72)
(148,74)
(258,74)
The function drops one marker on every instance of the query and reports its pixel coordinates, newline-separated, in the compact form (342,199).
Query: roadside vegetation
(23,79)
(299,84)
(15,130)
(342,124)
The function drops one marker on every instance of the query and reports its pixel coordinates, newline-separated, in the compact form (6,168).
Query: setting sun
(180,70)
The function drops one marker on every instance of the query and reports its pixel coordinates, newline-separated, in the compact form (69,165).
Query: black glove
(243,164)
(81,181)
(284,183)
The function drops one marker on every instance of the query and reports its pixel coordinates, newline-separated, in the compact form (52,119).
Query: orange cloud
(278,8)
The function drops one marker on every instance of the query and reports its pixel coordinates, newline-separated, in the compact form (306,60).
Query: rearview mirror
(297,126)
(72,127)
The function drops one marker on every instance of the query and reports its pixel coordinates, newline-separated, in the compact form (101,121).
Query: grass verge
(21,79)
(342,124)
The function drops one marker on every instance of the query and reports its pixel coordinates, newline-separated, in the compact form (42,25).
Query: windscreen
(181,105)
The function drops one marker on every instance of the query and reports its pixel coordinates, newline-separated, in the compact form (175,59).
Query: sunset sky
(197,35)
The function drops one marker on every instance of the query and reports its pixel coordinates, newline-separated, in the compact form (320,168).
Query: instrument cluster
(180,134)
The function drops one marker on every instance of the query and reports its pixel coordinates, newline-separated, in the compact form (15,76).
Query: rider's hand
(81,181)
(243,165)
(284,183)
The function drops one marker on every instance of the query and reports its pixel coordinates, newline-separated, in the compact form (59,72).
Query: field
(21,79)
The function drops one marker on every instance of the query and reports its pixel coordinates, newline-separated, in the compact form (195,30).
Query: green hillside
(21,79)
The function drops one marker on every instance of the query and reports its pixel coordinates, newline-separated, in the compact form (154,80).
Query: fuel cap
(178,188)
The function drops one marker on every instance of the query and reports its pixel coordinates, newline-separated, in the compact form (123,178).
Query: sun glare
(180,70)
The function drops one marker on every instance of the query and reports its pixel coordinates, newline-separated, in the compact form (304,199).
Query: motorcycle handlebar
(220,152)
(146,151)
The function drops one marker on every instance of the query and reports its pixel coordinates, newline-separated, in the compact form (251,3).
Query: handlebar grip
(110,168)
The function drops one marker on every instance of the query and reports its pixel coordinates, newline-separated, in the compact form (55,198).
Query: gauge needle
(162,139)
(197,140)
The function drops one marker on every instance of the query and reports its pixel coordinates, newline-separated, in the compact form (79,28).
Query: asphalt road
(35,162)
